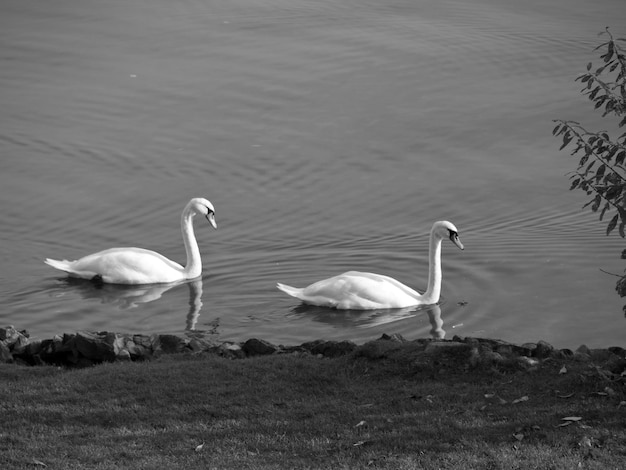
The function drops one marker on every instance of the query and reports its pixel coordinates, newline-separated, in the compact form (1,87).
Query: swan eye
(453,235)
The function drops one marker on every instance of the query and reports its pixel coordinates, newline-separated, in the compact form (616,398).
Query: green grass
(301,412)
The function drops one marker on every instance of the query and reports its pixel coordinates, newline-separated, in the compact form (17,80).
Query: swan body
(355,290)
(139,266)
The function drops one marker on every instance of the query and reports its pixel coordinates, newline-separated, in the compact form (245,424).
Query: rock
(123,355)
(615,365)
(231,350)
(543,350)
(527,362)
(600,355)
(170,344)
(34,347)
(258,347)
(330,348)
(397,337)
(448,348)
(8,334)
(5,353)
(97,347)
(583,349)
(20,344)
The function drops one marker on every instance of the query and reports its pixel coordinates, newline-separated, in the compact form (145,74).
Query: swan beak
(454,238)
(211,218)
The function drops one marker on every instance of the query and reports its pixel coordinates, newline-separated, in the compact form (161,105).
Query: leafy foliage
(601,171)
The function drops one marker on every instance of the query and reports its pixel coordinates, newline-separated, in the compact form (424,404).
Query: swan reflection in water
(126,297)
(372,318)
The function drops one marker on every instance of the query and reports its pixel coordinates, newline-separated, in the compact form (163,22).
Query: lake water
(329,135)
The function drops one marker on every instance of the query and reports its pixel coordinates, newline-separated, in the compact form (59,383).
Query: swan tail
(66,266)
(63,265)
(292,291)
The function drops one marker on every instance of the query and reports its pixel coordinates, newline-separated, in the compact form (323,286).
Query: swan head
(202,206)
(444,229)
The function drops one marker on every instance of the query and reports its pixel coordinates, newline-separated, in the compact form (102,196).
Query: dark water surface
(330,135)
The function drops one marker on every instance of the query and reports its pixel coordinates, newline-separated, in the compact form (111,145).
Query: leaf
(563,370)
(38,463)
(612,224)
(518,436)
(604,209)
(199,447)
(521,399)
(574,184)
(359,424)
(567,423)
(571,418)
(596,203)
(567,138)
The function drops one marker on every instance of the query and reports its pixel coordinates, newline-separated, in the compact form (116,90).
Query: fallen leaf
(518,436)
(490,395)
(571,418)
(609,391)
(360,443)
(359,424)
(569,395)
(199,447)
(566,423)
(521,399)
(39,463)
(563,370)
(621,403)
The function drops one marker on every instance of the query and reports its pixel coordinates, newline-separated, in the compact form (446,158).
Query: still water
(329,135)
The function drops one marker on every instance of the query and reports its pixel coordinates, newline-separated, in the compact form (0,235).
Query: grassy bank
(302,411)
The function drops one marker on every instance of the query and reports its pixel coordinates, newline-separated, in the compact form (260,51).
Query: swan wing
(123,266)
(356,290)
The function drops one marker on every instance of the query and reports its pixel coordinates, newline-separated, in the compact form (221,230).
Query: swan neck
(193,268)
(433,291)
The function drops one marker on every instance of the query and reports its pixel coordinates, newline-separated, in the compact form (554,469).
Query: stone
(8,334)
(448,348)
(5,353)
(231,350)
(19,346)
(170,344)
(543,350)
(97,347)
(397,337)
(258,347)
(330,348)
(583,349)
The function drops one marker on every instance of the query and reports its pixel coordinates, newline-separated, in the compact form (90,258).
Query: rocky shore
(83,349)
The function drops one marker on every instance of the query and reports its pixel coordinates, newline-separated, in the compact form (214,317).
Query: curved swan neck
(193,268)
(433,291)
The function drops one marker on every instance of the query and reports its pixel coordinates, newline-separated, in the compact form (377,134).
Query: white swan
(139,266)
(365,291)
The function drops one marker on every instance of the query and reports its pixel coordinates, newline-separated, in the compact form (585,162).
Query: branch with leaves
(601,170)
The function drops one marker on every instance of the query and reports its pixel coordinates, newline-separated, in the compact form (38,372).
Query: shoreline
(85,349)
